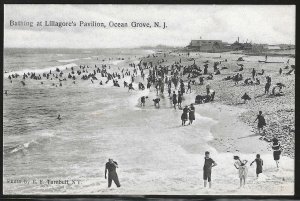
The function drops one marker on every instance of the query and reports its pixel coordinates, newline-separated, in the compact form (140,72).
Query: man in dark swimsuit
(208,164)
(261,122)
(112,174)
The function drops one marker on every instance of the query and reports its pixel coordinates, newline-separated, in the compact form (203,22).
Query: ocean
(155,153)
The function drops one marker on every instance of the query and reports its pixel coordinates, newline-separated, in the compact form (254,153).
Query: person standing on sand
(243,170)
(280,71)
(267,87)
(111,166)
(205,69)
(207,89)
(189,88)
(192,114)
(269,79)
(259,164)
(261,122)
(184,116)
(253,73)
(174,99)
(276,151)
(179,99)
(208,164)
(212,94)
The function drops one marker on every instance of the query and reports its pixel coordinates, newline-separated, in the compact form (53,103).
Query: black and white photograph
(102,99)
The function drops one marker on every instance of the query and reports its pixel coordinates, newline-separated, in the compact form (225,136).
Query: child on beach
(259,164)
(243,170)
(208,164)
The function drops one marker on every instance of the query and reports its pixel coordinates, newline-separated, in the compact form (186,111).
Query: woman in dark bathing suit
(192,114)
(276,151)
(184,116)
(174,99)
(179,100)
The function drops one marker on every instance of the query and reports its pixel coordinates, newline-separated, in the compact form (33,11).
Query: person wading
(111,166)
(208,164)
(243,170)
(276,151)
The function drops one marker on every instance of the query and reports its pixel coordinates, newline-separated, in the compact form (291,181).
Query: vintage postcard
(148,99)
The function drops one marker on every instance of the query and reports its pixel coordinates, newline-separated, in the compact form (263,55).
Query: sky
(272,24)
